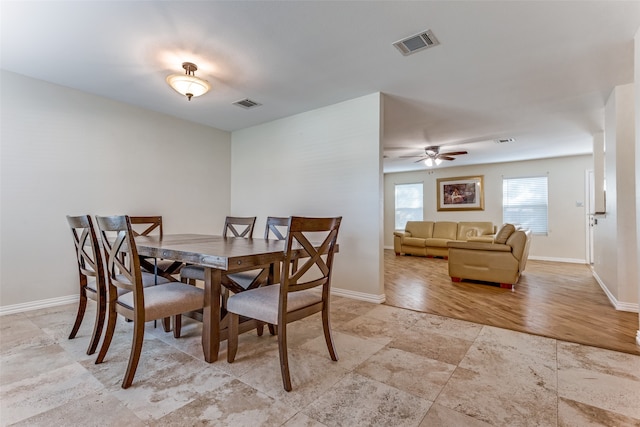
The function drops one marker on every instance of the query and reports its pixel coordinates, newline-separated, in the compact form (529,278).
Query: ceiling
(536,71)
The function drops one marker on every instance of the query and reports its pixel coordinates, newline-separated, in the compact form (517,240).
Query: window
(408,204)
(525,202)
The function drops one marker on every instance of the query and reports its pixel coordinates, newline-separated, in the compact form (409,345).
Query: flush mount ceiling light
(188,84)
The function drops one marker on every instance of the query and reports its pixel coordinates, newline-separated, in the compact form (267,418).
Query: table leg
(211,314)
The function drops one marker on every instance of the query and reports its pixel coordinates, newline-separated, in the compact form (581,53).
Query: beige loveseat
(501,261)
(430,238)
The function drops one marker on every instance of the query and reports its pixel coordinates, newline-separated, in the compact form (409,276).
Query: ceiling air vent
(417,43)
(247,103)
(504,140)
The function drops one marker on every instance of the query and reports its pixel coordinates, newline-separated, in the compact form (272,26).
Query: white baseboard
(553,259)
(36,305)
(621,306)
(376,299)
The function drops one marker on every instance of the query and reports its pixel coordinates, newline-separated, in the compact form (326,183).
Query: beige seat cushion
(148,279)
(504,233)
(195,272)
(262,303)
(167,300)
(414,241)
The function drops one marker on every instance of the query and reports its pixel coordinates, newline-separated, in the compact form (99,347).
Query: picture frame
(462,193)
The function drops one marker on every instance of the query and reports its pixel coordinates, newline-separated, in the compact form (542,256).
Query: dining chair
(138,303)
(233,227)
(152,225)
(91,274)
(237,282)
(294,297)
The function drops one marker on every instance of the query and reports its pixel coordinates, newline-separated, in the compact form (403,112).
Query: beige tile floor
(396,368)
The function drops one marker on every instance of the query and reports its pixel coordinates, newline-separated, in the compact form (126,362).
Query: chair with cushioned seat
(130,298)
(238,282)
(294,297)
(500,261)
(233,227)
(91,273)
(152,225)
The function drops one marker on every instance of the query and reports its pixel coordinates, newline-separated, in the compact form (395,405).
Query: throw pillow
(504,233)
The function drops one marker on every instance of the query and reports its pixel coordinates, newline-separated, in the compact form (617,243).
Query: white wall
(636,55)
(69,152)
(325,162)
(567,237)
(616,233)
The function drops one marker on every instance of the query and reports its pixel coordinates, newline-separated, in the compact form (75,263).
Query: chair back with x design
(239,226)
(152,223)
(91,275)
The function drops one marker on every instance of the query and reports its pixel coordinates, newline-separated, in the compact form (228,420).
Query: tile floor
(397,368)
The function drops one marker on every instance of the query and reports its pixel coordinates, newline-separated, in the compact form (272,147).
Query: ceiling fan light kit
(188,84)
(433,156)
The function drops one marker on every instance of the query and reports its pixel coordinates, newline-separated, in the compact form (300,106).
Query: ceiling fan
(433,155)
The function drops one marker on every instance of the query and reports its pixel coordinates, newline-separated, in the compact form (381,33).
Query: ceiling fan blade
(453,153)
(446,157)
(421,160)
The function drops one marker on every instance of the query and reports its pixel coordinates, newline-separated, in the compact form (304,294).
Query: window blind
(525,203)
(409,203)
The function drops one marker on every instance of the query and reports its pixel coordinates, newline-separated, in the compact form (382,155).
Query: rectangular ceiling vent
(247,103)
(416,43)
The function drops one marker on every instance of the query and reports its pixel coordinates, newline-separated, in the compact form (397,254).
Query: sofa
(430,238)
(501,261)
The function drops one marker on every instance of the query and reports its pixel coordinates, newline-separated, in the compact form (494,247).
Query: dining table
(219,256)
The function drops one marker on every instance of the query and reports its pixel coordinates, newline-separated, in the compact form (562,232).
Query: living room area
(559,294)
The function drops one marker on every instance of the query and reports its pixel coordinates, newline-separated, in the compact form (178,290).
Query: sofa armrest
(482,246)
(402,233)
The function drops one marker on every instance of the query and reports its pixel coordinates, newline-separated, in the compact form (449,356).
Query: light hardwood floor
(555,300)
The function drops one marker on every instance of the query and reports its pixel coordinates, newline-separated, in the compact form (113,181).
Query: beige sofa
(501,261)
(430,238)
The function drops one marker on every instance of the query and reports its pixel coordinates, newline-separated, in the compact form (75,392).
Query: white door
(590,219)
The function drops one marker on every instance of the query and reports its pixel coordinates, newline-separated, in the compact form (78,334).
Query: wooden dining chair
(237,282)
(149,226)
(91,275)
(233,227)
(294,297)
(138,303)
(239,226)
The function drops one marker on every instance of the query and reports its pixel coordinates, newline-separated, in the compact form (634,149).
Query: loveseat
(501,261)
(430,238)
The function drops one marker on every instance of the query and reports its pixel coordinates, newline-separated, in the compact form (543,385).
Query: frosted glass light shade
(188,85)
(428,162)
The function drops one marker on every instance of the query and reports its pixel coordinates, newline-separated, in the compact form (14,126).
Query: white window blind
(409,201)
(525,203)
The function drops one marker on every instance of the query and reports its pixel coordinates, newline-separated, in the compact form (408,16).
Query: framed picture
(463,193)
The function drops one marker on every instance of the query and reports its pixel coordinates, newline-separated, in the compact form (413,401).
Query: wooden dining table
(219,256)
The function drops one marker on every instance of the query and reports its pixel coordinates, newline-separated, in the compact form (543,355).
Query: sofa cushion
(415,241)
(504,233)
(422,229)
(445,230)
(437,243)
(467,230)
